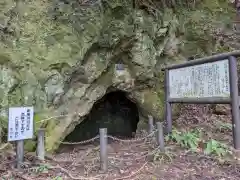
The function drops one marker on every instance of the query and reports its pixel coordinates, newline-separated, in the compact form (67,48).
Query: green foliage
(162,157)
(3,129)
(7,178)
(57,178)
(198,26)
(44,168)
(42,41)
(185,139)
(222,126)
(41,169)
(193,139)
(80,17)
(215,147)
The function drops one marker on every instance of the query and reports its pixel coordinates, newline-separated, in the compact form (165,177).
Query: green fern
(215,147)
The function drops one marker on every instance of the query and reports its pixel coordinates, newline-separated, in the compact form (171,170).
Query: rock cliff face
(62,56)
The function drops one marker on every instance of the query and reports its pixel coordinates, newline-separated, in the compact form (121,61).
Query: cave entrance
(113,111)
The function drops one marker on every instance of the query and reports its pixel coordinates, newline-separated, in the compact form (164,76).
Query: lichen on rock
(60,56)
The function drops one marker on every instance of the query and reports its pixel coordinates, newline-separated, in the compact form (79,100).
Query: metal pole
(150,124)
(40,145)
(233,75)
(20,153)
(1,134)
(204,60)
(160,136)
(103,149)
(168,107)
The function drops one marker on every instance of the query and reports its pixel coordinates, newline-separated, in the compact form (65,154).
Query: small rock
(128,163)
(121,171)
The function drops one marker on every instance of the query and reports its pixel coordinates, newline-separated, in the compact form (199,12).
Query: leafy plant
(192,140)
(162,156)
(224,126)
(186,139)
(42,169)
(58,178)
(215,147)
(7,178)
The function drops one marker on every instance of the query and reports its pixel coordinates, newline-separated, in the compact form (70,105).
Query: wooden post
(20,153)
(233,75)
(103,149)
(1,129)
(168,105)
(160,136)
(150,124)
(40,145)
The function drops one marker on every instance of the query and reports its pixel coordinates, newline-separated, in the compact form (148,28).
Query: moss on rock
(61,55)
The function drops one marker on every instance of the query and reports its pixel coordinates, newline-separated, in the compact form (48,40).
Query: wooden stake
(103,150)
(160,136)
(40,145)
(150,124)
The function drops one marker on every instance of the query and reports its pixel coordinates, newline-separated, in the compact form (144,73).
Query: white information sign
(20,123)
(200,81)
(119,69)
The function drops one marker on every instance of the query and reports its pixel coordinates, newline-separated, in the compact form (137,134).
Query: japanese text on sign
(200,81)
(20,123)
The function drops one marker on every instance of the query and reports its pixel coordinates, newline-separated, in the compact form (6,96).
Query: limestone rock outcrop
(62,56)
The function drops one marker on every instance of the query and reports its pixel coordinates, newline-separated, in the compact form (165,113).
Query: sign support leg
(168,107)
(233,74)
(168,116)
(20,153)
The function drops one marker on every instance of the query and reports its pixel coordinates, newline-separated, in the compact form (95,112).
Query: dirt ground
(138,160)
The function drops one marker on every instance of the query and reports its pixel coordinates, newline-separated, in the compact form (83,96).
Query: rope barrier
(81,142)
(131,140)
(109,136)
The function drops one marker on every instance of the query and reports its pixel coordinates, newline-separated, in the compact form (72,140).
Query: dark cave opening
(113,111)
